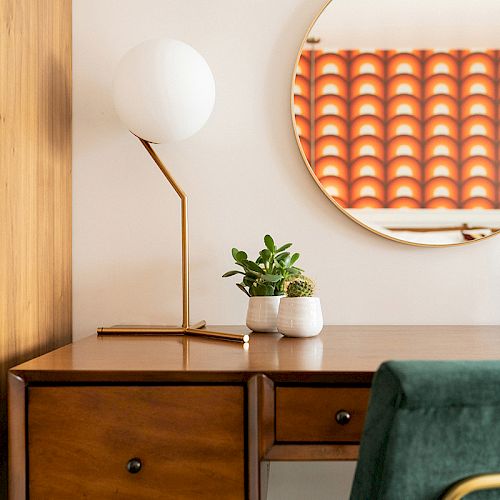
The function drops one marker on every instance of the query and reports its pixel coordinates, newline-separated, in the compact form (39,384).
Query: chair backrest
(429,425)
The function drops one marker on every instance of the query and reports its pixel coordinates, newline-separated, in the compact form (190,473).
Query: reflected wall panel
(441,117)
(478,143)
(402,129)
(403,122)
(331,133)
(367,146)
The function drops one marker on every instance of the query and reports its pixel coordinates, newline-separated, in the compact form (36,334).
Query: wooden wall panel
(35,185)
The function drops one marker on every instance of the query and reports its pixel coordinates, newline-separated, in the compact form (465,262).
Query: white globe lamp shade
(163,90)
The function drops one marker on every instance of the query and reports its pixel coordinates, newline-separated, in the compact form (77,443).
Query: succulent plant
(301,286)
(267,275)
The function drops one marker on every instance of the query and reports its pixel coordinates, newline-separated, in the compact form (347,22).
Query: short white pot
(262,313)
(300,316)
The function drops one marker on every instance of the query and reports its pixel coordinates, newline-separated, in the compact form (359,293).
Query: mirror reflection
(404,140)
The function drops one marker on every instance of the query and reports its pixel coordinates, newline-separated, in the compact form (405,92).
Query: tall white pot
(300,316)
(262,313)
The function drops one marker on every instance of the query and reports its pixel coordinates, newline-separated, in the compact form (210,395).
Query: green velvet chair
(430,426)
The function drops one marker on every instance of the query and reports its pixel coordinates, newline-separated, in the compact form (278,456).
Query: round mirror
(396,111)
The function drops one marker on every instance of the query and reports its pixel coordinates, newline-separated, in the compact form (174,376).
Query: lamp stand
(199,328)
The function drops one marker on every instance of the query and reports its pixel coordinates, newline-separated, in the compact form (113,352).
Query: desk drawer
(314,414)
(190,442)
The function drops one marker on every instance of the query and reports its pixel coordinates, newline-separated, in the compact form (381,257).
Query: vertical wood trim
(261,433)
(35,186)
(17,437)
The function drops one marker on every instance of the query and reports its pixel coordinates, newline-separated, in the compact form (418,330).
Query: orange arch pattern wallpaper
(402,129)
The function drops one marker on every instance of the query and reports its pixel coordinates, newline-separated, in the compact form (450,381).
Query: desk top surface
(346,353)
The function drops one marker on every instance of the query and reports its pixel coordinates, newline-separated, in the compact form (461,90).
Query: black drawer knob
(343,417)
(134,465)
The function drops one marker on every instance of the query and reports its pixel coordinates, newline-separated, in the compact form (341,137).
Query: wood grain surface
(340,354)
(308,414)
(191,442)
(35,185)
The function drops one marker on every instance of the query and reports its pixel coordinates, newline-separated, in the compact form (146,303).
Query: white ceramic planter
(300,316)
(263,313)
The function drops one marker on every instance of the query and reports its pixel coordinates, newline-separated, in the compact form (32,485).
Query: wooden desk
(204,417)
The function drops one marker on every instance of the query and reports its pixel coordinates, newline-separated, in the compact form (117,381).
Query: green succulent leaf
(284,247)
(272,278)
(248,281)
(231,273)
(252,266)
(269,242)
(253,274)
(294,259)
(242,288)
(265,255)
(234,253)
(241,256)
(262,290)
(282,256)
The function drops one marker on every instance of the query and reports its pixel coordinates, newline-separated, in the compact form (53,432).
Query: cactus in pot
(300,287)
(299,312)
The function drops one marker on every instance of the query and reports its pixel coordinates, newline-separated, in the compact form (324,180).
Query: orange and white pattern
(402,129)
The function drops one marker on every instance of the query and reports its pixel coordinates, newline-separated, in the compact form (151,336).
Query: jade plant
(302,286)
(268,274)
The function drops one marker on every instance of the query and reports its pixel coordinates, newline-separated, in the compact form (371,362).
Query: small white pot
(262,313)
(300,316)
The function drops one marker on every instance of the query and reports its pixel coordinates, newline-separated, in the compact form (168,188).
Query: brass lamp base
(196,329)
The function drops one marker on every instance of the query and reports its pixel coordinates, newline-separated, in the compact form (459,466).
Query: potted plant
(299,312)
(263,281)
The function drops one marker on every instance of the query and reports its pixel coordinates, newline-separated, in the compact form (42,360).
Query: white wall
(245,177)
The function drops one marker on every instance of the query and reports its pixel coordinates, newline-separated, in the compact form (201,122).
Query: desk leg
(17,437)
(264,479)
(260,434)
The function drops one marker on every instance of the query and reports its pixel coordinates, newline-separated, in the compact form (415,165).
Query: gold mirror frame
(313,174)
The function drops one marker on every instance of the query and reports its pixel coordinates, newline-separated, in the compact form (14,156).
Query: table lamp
(164,91)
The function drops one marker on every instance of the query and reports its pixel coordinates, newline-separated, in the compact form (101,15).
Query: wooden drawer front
(190,441)
(309,414)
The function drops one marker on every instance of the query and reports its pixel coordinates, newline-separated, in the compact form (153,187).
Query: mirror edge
(316,180)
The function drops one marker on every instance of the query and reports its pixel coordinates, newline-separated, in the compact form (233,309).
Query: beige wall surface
(245,177)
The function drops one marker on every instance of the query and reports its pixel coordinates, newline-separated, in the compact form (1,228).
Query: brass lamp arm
(164,171)
(184,225)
